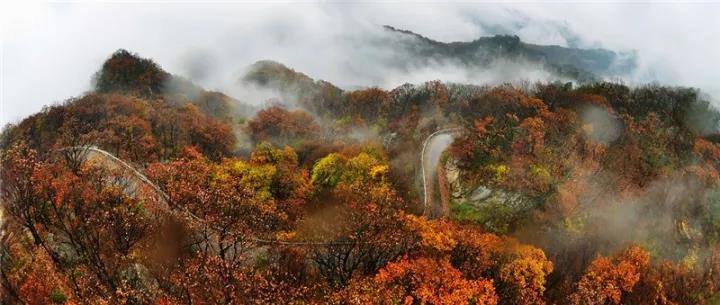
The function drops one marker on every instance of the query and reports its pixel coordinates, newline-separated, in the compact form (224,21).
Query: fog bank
(50,51)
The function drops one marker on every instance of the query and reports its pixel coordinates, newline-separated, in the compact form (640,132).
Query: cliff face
(497,210)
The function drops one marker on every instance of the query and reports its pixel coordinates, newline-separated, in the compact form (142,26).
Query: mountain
(582,65)
(127,73)
(149,189)
(294,88)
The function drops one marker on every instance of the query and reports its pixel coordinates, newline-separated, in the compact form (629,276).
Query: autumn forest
(149,189)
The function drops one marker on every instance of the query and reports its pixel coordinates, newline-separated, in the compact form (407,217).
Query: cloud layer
(50,51)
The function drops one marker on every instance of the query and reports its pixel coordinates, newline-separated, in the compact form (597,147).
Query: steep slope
(128,74)
(139,112)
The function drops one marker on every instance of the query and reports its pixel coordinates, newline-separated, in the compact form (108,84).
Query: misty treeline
(315,199)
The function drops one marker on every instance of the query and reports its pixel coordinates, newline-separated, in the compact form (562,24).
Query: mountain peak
(126,71)
(271,73)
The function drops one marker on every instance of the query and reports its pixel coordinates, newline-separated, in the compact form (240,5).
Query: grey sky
(50,51)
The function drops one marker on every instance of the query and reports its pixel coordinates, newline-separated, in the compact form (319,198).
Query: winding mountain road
(95,153)
(433,146)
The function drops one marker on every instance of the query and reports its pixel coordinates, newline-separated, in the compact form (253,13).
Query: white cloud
(50,51)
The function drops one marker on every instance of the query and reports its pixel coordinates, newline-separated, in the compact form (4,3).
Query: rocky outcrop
(513,200)
(452,172)
(495,209)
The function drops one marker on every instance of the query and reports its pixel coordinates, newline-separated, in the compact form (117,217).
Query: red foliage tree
(280,126)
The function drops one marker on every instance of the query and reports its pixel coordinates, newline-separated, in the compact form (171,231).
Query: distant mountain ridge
(582,65)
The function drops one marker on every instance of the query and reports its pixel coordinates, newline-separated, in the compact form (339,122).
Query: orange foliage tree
(606,280)
(280,126)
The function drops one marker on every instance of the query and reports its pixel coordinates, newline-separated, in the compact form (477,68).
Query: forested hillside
(550,193)
(582,65)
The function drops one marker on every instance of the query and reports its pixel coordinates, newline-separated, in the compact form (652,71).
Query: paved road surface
(433,146)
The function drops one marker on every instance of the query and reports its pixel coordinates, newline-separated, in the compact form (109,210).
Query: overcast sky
(50,51)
